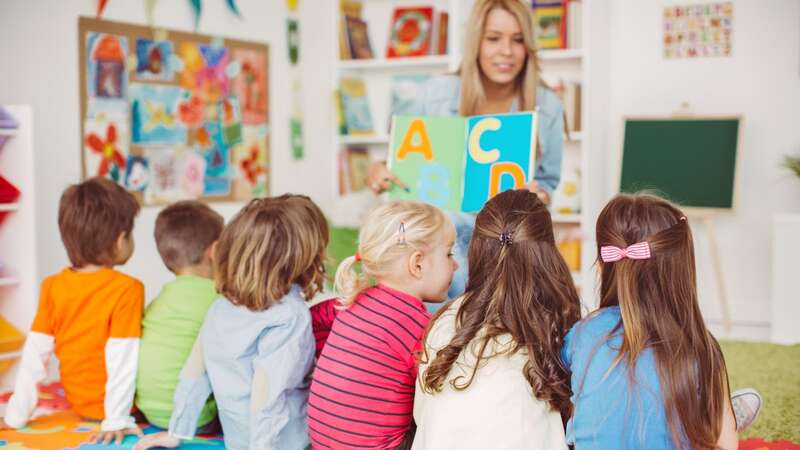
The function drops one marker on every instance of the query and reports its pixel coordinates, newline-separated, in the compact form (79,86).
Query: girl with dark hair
(491,360)
(646,372)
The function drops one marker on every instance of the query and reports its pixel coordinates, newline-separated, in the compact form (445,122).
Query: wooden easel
(685,111)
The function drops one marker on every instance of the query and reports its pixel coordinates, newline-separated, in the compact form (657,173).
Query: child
(89,313)
(185,236)
(646,373)
(363,386)
(490,374)
(256,348)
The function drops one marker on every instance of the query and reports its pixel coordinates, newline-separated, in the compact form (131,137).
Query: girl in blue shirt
(646,372)
(499,74)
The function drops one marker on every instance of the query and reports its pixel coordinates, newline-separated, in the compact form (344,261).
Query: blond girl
(363,389)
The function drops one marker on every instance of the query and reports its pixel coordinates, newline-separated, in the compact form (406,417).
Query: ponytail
(349,282)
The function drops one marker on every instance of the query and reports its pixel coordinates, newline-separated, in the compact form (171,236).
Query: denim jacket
(257,365)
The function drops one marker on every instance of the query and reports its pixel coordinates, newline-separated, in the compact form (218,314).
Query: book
(405,92)
(459,163)
(441,34)
(549,25)
(357,38)
(574,24)
(410,32)
(353,168)
(570,93)
(357,116)
(347,8)
(340,121)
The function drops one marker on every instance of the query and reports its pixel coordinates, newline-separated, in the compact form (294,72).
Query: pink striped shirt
(362,393)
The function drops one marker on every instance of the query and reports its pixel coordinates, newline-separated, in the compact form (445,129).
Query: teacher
(499,74)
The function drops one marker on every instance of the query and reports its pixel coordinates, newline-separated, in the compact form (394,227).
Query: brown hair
(91,216)
(657,298)
(271,244)
(523,289)
(184,231)
(472,93)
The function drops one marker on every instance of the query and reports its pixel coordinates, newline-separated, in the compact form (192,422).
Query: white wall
(39,66)
(760,81)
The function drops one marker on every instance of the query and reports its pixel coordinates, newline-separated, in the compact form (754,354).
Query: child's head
(405,244)
(185,233)
(519,285)
(270,245)
(95,219)
(646,260)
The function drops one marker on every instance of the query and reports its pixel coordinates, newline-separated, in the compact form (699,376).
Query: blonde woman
(499,74)
(255,349)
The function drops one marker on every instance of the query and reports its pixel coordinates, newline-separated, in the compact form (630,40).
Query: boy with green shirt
(185,235)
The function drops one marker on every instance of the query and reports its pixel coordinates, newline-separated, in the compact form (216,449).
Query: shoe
(746,405)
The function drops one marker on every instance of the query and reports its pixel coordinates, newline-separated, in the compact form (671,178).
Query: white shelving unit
(18,283)
(560,64)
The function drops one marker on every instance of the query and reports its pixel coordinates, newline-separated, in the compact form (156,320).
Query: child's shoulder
(106,276)
(597,324)
(444,327)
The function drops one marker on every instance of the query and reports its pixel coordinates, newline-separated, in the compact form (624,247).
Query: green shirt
(169,329)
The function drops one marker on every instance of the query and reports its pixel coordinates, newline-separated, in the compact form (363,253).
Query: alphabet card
(459,163)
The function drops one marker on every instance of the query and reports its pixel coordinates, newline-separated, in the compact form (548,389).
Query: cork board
(172,115)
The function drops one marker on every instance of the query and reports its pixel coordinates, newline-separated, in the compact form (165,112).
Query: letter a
(496,172)
(417,127)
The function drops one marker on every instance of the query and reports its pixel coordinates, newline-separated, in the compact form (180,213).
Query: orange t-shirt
(82,311)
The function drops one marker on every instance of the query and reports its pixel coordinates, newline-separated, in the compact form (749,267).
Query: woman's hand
(162,439)
(106,437)
(380,178)
(533,186)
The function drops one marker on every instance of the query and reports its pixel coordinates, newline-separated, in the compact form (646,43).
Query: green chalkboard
(690,161)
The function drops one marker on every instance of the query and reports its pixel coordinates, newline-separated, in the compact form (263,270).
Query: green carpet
(774,371)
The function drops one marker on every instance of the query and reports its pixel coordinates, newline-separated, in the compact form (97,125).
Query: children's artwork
(231,119)
(696,31)
(137,173)
(154,114)
(411,32)
(106,75)
(250,85)
(105,148)
(176,131)
(355,105)
(459,163)
(250,160)
(153,60)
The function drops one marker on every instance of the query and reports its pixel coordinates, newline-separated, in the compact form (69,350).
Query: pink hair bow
(610,253)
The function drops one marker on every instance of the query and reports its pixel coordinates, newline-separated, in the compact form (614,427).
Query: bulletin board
(172,115)
(691,160)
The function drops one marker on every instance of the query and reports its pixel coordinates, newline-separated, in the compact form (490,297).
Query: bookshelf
(18,283)
(558,65)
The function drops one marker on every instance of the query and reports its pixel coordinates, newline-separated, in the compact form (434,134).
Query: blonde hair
(390,231)
(472,93)
(270,245)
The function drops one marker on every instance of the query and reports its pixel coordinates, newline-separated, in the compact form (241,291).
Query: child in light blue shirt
(256,348)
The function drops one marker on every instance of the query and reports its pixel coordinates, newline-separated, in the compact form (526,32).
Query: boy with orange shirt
(89,314)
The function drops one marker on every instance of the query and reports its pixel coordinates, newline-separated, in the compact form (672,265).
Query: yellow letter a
(417,127)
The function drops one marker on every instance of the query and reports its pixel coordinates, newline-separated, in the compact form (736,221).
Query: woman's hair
(472,93)
(519,285)
(657,298)
(271,244)
(390,231)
